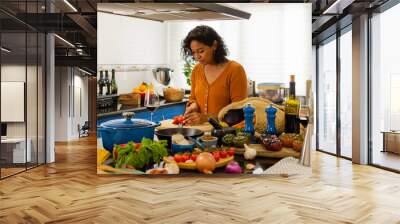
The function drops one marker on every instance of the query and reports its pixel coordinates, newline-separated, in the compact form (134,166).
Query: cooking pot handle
(128,115)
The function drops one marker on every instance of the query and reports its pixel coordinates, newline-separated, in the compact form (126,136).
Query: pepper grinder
(271,112)
(248,119)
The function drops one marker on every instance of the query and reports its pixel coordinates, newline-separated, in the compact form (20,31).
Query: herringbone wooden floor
(69,191)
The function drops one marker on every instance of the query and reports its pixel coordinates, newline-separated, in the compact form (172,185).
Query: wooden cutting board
(261,151)
(206,127)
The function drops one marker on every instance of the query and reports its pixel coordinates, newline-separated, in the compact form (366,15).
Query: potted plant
(187,69)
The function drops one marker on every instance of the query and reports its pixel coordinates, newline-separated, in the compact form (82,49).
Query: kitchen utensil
(214,123)
(176,148)
(198,144)
(120,131)
(208,143)
(220,131)
(163,75)
(166,134)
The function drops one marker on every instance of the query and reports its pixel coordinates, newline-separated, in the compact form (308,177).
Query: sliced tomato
(178,158)
(178,119)
(193,157)
(216,156)
(231,151)
(223,154)
(185,157)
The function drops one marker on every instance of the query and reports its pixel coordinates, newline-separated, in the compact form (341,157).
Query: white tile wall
(273,44)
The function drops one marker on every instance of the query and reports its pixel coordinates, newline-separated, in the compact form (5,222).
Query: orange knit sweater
(230,86)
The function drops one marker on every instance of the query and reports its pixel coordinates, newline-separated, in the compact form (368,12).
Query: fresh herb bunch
(149,152)
(187,69)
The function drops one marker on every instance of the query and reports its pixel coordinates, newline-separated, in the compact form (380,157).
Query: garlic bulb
(249,153)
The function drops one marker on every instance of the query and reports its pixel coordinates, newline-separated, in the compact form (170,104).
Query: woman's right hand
(191,107)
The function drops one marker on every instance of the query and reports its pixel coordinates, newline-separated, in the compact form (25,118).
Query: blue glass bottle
(248,119)
(271,112)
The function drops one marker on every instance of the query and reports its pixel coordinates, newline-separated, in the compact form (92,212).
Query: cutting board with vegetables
(192,165)
(206,127)
(105,169)
(261,151)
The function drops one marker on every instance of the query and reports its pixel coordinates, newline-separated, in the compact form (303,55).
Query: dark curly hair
(207,36)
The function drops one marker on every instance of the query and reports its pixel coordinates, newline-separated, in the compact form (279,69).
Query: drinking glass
(151,102)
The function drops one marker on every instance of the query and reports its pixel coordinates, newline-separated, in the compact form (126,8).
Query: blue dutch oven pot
(121,131)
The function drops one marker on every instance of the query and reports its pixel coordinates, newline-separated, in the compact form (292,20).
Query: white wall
(127,40)
(274,43)
(14,73)
(34,125)
(71,96)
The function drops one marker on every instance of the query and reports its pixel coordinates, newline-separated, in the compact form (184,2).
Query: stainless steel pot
(163,75)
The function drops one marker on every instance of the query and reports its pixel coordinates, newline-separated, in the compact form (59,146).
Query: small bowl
(175,148)
(209,143)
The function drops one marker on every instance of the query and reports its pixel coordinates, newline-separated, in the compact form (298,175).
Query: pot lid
(127,122)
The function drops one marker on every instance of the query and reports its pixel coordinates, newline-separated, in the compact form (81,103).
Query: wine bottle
(114,87)
(292,106)
(100,82)
(107,83)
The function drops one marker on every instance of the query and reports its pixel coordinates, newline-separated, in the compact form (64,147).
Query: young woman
(216,81)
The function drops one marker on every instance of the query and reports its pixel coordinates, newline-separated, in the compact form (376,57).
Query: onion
(205,162)
(249,153)
(233,167)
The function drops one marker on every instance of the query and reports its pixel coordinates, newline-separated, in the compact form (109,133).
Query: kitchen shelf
(129,67)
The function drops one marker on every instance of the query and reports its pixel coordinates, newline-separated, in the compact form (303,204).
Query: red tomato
(216,156)
(178,119)
(193,157)
(178,158)
(185,157)
(223,154)
(138,145)
(231,151)
(122,145)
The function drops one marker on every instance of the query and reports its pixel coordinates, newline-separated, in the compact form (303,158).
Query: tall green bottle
(114,87)
(292,106)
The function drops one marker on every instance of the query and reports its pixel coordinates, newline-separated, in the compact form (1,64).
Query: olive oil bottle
(114,87)
(292,106)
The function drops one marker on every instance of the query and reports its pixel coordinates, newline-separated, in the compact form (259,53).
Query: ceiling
(174,11)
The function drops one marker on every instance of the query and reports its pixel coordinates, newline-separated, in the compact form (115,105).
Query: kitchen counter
(139,108)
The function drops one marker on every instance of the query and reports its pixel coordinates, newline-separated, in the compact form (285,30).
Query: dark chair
(84,129)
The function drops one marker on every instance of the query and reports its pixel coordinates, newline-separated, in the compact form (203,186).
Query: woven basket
(130,99)
(173,95)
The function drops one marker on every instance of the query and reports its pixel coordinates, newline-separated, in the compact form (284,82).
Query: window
(385,89)
(346,94)
(327,96)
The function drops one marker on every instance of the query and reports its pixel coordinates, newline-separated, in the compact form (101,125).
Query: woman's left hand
(195,118)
